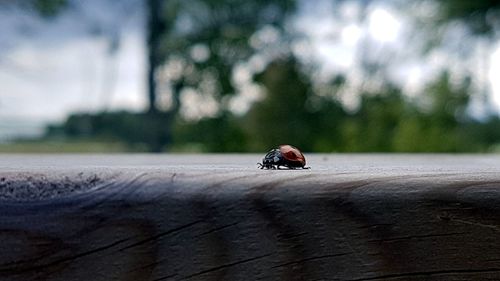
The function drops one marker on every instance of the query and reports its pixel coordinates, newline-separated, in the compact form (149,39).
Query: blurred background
(245,76)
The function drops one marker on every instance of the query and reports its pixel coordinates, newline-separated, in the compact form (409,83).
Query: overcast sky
(50,68)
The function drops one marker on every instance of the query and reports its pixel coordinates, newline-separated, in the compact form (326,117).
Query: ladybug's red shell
(292,154)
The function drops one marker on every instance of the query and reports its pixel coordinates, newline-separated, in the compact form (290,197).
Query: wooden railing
(216,217)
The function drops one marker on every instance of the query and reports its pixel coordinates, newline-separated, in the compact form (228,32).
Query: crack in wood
(376,225)
(217,229)
(428,274)
(150,265)
(290,236)
(311,259)
(165,277)
(160,235)
(416,237)
(489,226)
(213,269)
(62,260)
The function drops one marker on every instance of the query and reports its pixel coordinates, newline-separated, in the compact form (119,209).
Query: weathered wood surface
(216,217)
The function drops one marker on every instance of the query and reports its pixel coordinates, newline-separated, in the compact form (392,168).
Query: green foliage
(208,38)
(48,8)
(219,134)
(438,124)
(68,146)
(478,14)
(135,130)
(221,30)
(291,112)
(386,121)
(371,128)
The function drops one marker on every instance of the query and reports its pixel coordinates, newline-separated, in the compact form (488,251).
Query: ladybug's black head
(272,157)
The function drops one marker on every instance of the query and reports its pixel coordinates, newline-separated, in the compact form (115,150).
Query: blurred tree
(445,102)
(292,113)
(438,122)
(133,129)
(197,45)
(222,133)
(373,126)
(48,8)
(203,42)
(207,38)
(483,16)
(486,134)
(156,28)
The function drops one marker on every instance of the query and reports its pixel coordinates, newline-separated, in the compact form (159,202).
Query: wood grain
(217,217)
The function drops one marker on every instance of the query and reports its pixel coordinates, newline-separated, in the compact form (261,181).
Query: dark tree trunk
(156,27)
(159,124)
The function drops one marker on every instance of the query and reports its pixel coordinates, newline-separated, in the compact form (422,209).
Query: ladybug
(283,156)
